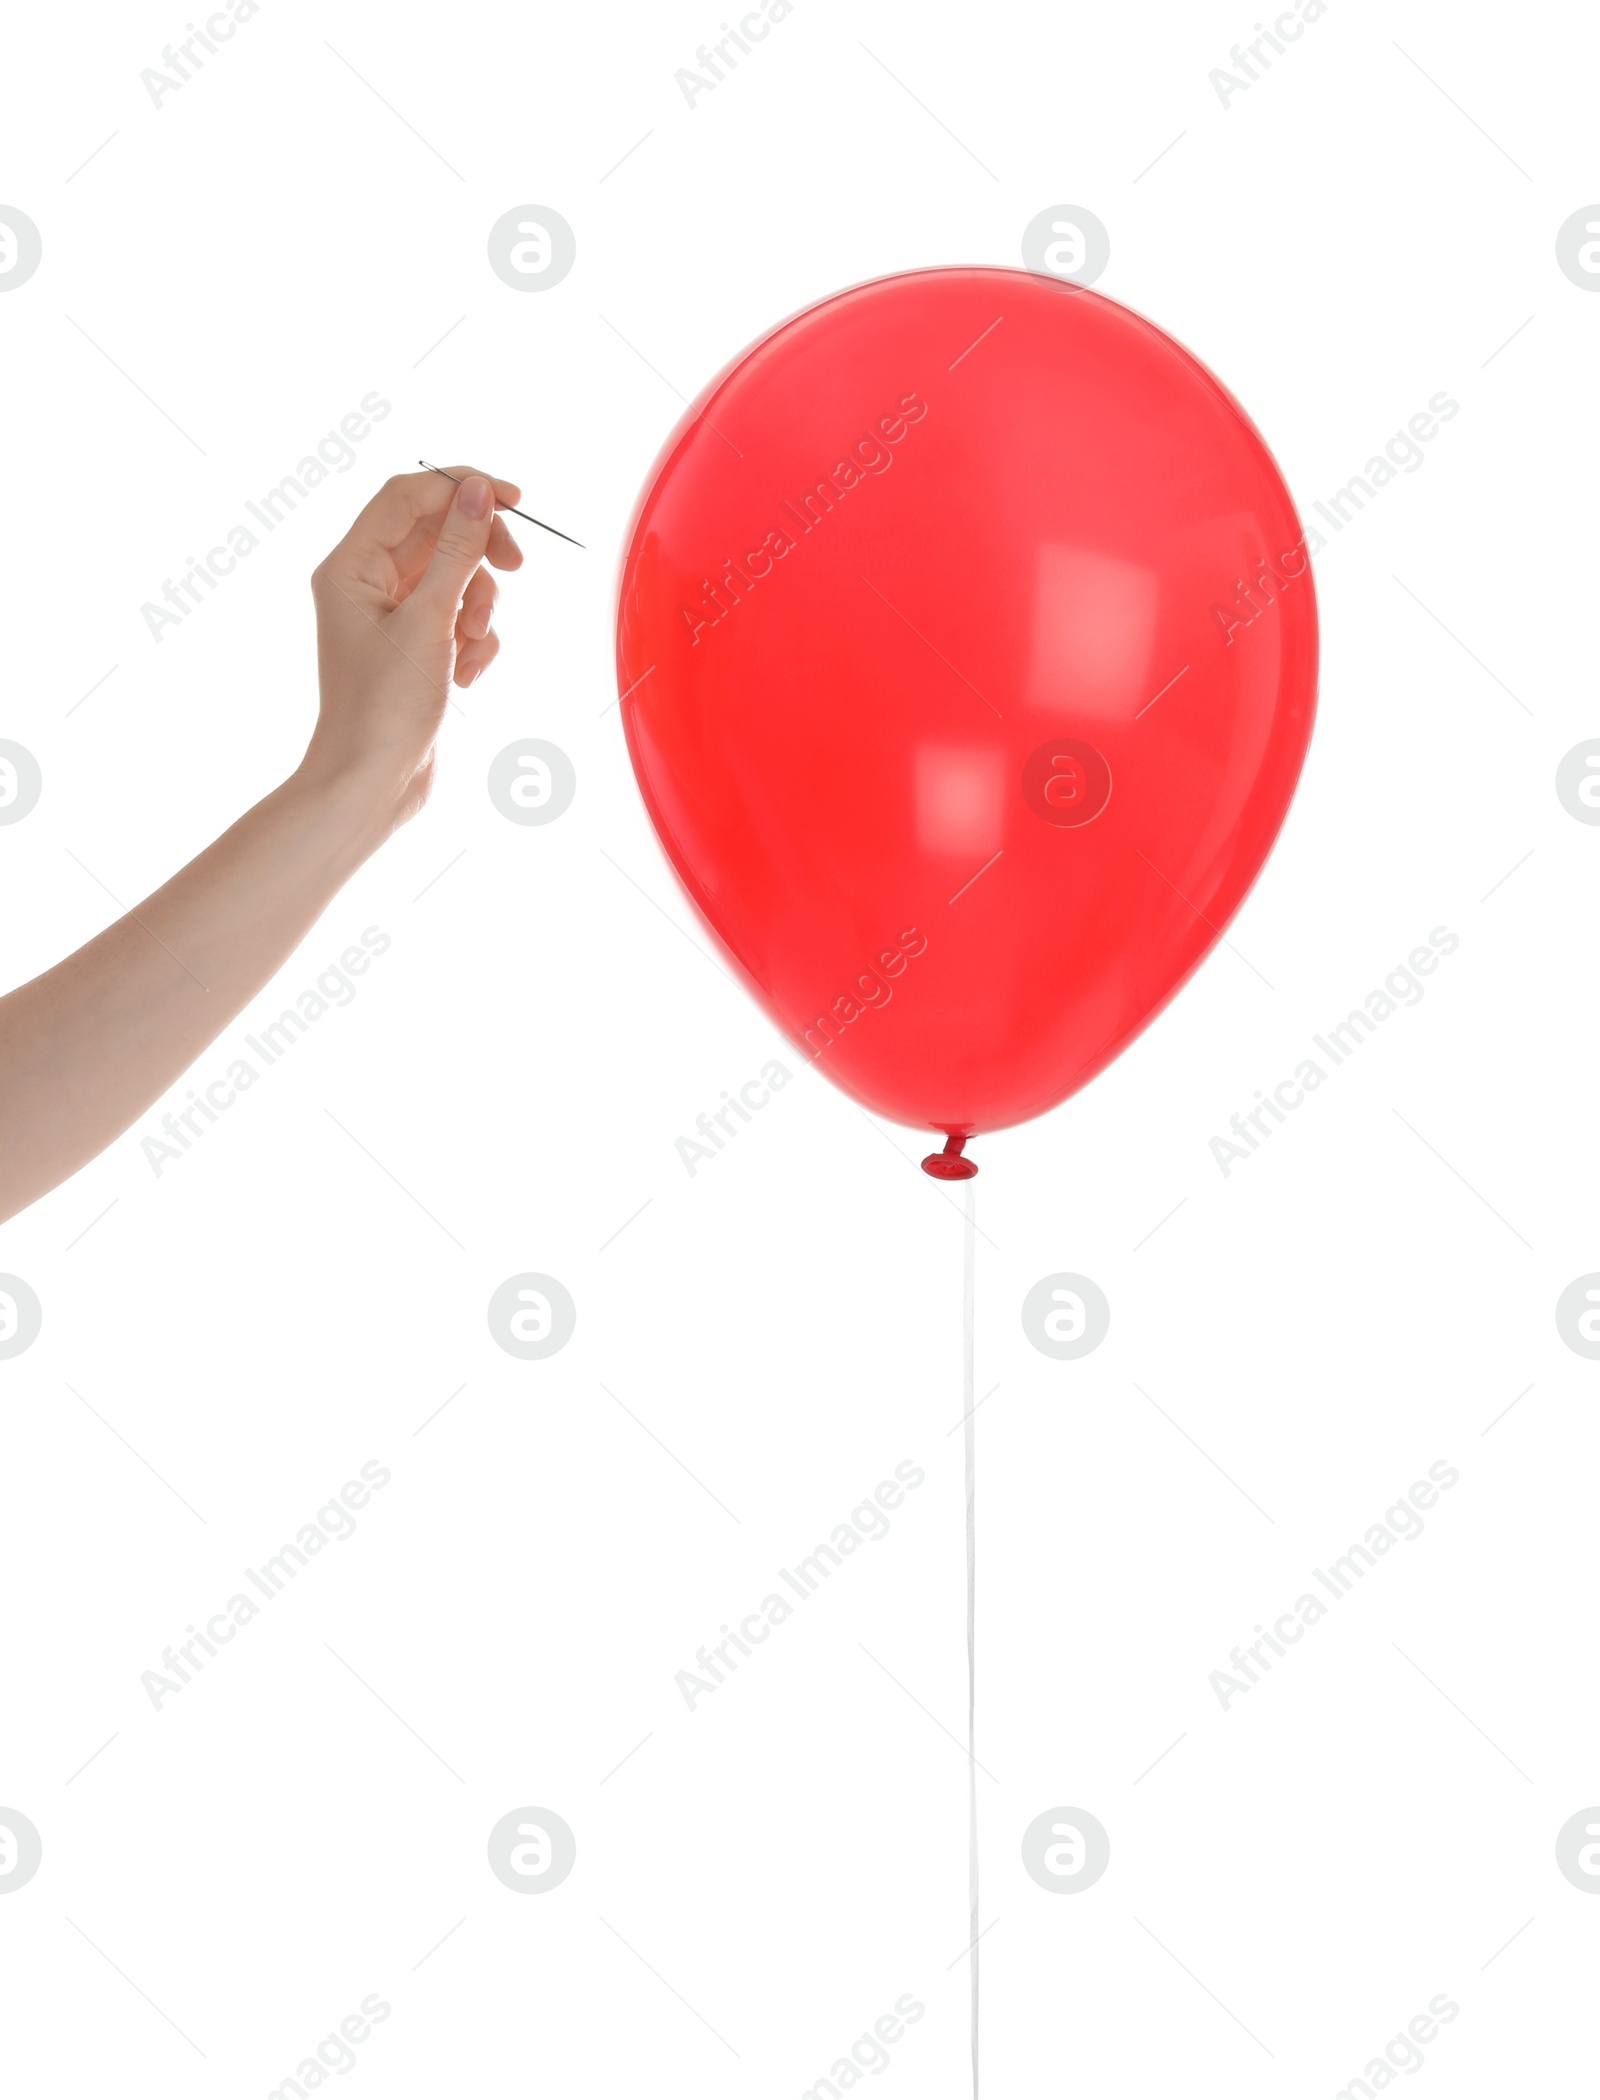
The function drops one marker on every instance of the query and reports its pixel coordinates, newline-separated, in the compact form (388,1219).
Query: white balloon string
(969,1390)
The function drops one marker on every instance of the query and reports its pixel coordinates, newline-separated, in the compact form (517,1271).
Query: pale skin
(405,607)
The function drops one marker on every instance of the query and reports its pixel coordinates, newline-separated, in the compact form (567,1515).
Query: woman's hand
(405,604)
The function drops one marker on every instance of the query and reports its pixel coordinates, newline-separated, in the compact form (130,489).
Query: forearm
(405,606)
(87,1047)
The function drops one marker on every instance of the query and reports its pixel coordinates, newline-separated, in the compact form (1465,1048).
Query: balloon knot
(948,1165)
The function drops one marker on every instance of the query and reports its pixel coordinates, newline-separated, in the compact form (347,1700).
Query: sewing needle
(543,527)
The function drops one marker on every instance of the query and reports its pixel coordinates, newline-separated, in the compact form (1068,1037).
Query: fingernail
(476,497)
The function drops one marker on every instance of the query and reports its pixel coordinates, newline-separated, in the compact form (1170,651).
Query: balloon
(967,647)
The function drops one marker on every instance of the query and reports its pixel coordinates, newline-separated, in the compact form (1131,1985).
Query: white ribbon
(969,1402)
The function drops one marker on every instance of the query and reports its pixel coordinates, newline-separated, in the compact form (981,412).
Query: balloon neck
(948,1165)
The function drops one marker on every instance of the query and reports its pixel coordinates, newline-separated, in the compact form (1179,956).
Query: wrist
(349,809)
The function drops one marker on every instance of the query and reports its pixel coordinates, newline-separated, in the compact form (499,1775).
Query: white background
(225,1344)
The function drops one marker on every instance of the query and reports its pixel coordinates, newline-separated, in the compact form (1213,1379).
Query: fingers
(410,557)
(474,658)
(426,545)
(462,544)
(504,491)
(477,644)
(406,500)
(477,607)
(504,552)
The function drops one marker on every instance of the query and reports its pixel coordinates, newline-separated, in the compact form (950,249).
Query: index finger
(406,499)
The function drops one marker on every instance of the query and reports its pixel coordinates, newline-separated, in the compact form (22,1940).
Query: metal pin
(543,527)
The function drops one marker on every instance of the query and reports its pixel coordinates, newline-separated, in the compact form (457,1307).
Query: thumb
(463,540)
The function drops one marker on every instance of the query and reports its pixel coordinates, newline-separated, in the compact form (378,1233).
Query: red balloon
(967,648)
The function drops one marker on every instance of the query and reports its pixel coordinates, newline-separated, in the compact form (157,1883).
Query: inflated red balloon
(967,645)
